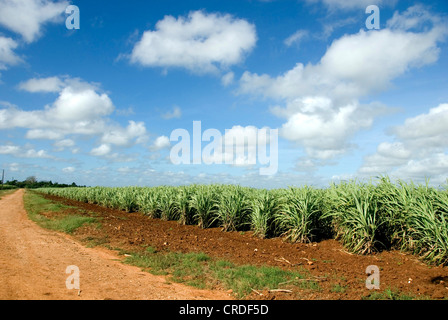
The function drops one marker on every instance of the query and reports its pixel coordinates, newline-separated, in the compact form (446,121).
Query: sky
(120,93)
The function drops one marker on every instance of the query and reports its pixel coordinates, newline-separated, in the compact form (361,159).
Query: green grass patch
(393,294)
(70,223)
(243,278)
(96,241)
(36,206)
(188,268)
(200,270)
(337,288)
(5,192)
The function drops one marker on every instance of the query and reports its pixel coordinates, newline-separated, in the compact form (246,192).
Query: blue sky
(98,105)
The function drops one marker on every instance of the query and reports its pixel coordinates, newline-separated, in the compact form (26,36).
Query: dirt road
(33,264)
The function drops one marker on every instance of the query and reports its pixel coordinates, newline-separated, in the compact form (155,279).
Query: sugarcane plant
(365,217)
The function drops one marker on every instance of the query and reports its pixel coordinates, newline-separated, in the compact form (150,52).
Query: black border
(170,309)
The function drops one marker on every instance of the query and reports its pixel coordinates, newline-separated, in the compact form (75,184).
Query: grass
(393,294)
(185,268)
(96,241)
(5,192)
(37,207)
(338,288)
(202,271)
(242,279)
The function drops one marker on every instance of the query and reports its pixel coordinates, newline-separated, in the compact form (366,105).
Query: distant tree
(32,183)
(31,180)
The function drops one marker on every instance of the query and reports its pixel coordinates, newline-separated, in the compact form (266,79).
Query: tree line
(33,183)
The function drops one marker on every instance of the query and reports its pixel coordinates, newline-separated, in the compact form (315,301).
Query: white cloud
(7,55)
(14,167)
(124,136)
(433,167)
(296,37)
(102,150)
(20,152)
(240,146)
(227,79)
(176,113)
(76,104)
(160,143)
(426,130)
(201,42)
(330,26)
(383,161)
(321,101)
(68,170)
(31,153)
(50,84)
(324,135)
(62,144)
(80,109)
(351,66)
(420,149)
(44,134)
(26,17)
(355,62)
(9,149)
(395,150)
(412,18)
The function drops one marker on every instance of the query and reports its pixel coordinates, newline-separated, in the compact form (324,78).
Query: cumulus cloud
(201,42)
(79,109)
(102,150)
(243,146)
(350,66)
(9,149)
(321,101)
(124,136)
(419,149)
(426,130)
(50,84)
(324,133)
(162,142)
(44,134)
(62,144)
(23,152)
(27,17)
(68,170)
(77,105)
(7,55)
